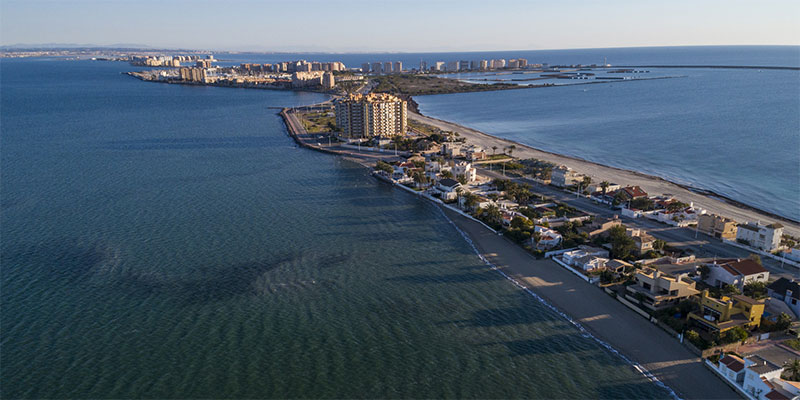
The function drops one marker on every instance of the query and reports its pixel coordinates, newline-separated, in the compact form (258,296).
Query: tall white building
(439,66)
(374,114)
(398,66)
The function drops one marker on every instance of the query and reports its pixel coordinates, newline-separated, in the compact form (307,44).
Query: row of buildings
(386,67)
(168,61)
(476,65)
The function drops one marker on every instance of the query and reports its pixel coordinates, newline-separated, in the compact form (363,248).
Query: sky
(400,25)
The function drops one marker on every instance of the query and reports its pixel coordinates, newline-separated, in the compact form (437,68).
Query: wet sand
(601,315)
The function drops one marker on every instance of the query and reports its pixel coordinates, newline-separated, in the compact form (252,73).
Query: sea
(166,241)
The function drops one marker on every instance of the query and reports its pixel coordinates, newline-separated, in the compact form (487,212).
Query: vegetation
(406,84)
(792,370)
(520,193)
(318,122)
(622,245)
(756,290)
(384,166)
(734,335)
(793,343)
(643,204)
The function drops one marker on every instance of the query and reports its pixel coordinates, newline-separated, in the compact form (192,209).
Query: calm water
(734,132)
(161,241)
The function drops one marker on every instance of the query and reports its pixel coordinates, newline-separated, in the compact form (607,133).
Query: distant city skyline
(411,26)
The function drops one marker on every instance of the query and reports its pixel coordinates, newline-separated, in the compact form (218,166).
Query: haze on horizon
(410,26)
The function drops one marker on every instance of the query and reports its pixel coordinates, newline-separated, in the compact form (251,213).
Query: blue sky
(400,25)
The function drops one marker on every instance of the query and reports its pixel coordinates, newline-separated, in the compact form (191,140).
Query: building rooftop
(733,363)
(743,267)
(782,285)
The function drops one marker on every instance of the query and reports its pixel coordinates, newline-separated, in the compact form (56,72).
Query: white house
(591,262)
(548,238)
(737,272)
(464,168)
(788,292)
(763,237)
(758,373)
(563,176)
(731,367)
(448,188)
(679,218)
(571,257)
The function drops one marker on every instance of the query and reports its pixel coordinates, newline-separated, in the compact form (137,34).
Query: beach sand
(607,319)
(599,173)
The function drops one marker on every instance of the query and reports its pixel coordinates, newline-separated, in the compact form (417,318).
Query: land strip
(598,173)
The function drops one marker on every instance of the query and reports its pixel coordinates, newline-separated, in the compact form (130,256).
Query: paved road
(606,318)
(698,243)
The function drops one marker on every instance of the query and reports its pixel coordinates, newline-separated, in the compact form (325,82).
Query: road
(700,244)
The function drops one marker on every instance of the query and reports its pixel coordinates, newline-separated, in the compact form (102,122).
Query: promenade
(606,318)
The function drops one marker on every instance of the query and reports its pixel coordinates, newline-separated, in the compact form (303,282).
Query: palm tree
(494,149)
(604,185)
(511,149)
(792,370)
(459,190)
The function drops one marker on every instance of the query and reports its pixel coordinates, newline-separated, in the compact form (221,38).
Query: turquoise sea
(162,241)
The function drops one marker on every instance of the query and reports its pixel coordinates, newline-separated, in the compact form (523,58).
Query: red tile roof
(733,363)
(743,267)
(634,191)
(774,395)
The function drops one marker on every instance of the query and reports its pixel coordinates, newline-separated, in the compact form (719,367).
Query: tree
(521,223)
(734,335)
(447,174)
(470,200)
(511,149)
(604,185)
(493,215)
(459,192)
(756,258)
(494,149)
(756,290)
(704,271)
(622,245)
(461,179)
(676,206)
(420,178)
(730,290)
(659,244)
(783,323)
(586,182)
(792,370)
(384,166)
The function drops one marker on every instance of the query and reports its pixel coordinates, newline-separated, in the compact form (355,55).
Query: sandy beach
(606,318)
(598,173)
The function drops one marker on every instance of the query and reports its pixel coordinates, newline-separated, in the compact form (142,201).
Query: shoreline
(684,192)
(611,325)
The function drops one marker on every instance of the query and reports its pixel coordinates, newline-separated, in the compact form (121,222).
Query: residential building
(374,114)
(452,66)
(498,64)
(463,65)
(597,188)
(439,66)
(423,66)
(787,291)
(377,68)
(590,262)
(475,65)
(328,82)
(365,68)
(643,240)
(464,168)
(717,226)
(658,290)
(448,188)
(721,315)
(522,63)
(572,256)
(451,149)
(736,272)
(398,66)
(759,374)
(618,266)
(513,64)
(763,237)
(307,79)
(600,226)
(629,193)
(484,65)
(564,176)
(548,238)
(387,67)
(732,367)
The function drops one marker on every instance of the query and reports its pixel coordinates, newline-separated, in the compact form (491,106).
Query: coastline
(595,314)
(712,202)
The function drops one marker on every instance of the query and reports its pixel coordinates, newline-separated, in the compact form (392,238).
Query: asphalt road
(700,244)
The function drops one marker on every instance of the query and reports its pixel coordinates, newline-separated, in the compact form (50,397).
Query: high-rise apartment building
(387,67)
(439,66)
(374,114)
(377,68)
(423,66)
(398,66)
(452,66)
(365,68)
